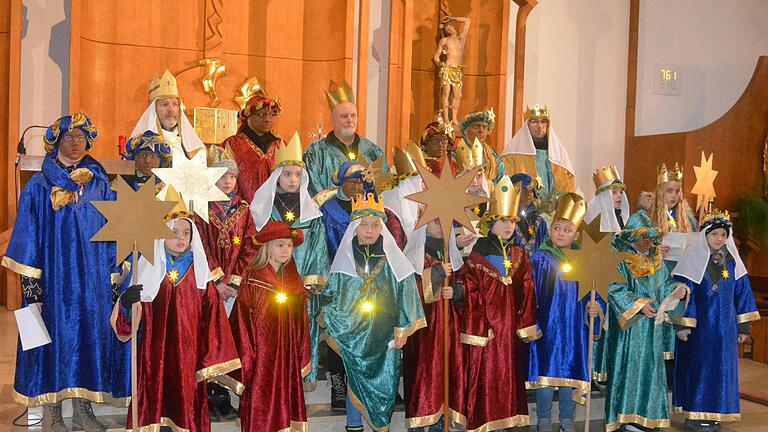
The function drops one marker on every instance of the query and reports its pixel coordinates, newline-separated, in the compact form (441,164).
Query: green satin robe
(637,384)
(361,338)
(311,259)
(322,158)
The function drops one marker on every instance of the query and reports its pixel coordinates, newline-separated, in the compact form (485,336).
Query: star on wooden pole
(704,189)
(194,180)
(135,217)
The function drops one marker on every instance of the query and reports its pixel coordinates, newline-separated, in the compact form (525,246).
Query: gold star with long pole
(193,180)
(134,217)
(704,189)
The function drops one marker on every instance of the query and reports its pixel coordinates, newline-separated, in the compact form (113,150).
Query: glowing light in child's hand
(367,306)
(566,267)
(281,297)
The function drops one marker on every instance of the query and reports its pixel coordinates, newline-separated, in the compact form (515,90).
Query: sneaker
(338,391)
(567,425)
(544,425)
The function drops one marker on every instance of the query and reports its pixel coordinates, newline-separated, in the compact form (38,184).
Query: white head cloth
(344,261)
(406,210)
(264,198)
(414,250)
(522,143)
(602,204)
(151,275)
(149,121)
(693,263)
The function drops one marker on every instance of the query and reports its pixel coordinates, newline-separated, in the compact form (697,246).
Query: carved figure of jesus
(450,50)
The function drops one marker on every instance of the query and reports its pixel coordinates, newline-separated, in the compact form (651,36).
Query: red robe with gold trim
(499,314)
(436,165)
(273,341)
(255,166)
(423,357)
(228,239)
(184,340)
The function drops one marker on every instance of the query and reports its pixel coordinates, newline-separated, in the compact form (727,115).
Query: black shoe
(213,413)
(224,408)
(338,392)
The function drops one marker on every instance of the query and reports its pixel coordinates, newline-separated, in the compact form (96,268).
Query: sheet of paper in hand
(32,330)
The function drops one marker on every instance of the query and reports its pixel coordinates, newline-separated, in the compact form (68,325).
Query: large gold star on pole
(594,262)
(135,218)
(194,180)
(446,198)
(704,189)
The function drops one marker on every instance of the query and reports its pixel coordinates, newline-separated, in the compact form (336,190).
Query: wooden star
(134,219)
(194,180)
(446,198)
(704,189)
(595,263)
(375,174)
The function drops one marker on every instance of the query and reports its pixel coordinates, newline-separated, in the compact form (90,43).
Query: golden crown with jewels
(667,176)
(368,204)
(289,154)
(338,94)
(536,111)
(505,200)
(407,158)
(605,175)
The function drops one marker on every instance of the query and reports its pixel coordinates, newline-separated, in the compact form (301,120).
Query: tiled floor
(754,416)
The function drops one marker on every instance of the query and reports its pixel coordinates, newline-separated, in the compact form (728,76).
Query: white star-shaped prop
(194,180)
(704,189)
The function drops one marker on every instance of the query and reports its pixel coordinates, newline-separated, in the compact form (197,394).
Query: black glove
(32,289)
(130,296)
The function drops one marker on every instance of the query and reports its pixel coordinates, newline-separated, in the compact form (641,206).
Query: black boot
(213,413)
(338,391)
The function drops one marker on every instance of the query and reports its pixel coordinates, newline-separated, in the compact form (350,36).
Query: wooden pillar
(634,22)
(525,8)
(500,119)
(361,91)
(75,20)
(399,82)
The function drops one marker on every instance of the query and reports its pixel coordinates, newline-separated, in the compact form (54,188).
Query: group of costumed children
(361,276)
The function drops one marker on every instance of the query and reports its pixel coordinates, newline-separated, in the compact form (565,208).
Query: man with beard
(324,156)
(165,116)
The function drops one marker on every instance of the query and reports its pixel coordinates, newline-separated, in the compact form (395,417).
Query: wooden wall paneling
(524,9)
(399,74)
(10,59)
(361,91)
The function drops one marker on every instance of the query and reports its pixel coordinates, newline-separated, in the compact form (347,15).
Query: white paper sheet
(677,243)
(32,330)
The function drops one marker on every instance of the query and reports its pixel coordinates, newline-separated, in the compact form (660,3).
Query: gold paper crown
(216,154)
(408,158)
(338,94)
(289,154)
(180,210)
(668,176)
(570,206)
(505,200)
(468,157)
(605,175)
(163,87)
(369,202)
(536,111)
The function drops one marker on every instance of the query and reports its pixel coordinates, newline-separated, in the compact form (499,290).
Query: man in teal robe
(324,156)
(370,305)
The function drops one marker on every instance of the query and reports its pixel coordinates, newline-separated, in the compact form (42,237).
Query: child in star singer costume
(269,323)
(499,315)
(286,188)
(184,335)
(722,306)
(559,357)
(531,229)
(227,240)
(69,277)
(423,355)
(637,385)
(371,306)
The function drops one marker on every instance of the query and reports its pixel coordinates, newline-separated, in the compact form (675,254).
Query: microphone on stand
(21,148)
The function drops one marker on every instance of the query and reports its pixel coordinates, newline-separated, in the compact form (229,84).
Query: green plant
(753,219)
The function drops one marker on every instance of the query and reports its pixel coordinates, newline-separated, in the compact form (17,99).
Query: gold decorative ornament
(214,67)
(251,86)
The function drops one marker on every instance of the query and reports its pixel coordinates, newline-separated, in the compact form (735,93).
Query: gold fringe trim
(69,393)
(230,383)
(626,317)
(634,418)
(600,376)
(22,269)
(360,407)
(216,274)
(683,321)
(669,355)
(581,388)
(235,279)
(217,369)
(698,415)
(477,340)
(429,420)
(530,333)
(155,427)
(510,422)
(306,369)
(426,286)
(296,426)
(407,331)
(741,318)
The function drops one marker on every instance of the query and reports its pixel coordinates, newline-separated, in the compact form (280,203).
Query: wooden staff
(590,351)
(446,332)
(134,342)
